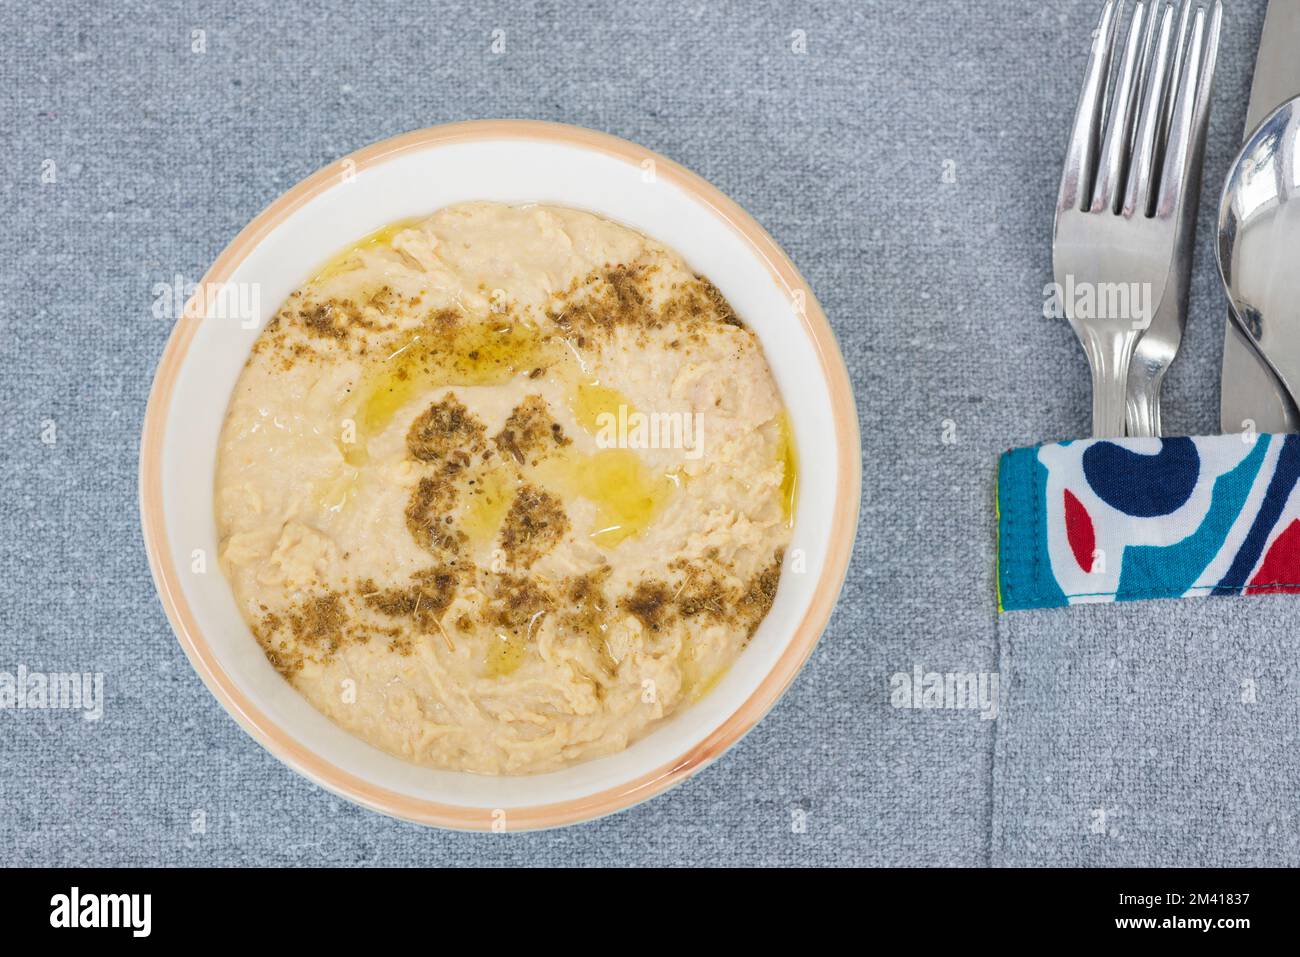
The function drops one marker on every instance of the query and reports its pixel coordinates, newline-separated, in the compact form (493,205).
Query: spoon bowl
(1259,234)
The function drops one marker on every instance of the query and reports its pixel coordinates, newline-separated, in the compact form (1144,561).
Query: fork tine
(1180,57)
(1202,115)
(1140,193)
(1184,135)
(1145,60)
(1171,90)
(1080,156)
(1109,191)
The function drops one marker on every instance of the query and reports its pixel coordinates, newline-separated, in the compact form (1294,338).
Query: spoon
(1259,241)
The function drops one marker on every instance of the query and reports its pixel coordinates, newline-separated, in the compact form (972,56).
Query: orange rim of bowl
(800,645)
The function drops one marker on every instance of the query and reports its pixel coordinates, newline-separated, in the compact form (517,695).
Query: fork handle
(1143,416)
(1110,352)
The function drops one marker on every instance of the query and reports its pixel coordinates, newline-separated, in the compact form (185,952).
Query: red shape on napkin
(1280,573)
(1079,531)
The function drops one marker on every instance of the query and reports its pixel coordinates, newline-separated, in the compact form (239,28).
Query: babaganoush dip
(501,489)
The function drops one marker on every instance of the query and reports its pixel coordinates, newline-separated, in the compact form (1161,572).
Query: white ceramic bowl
(511,162)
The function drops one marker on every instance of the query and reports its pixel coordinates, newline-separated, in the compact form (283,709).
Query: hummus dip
(501,489)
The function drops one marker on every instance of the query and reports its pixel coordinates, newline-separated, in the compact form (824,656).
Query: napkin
(1129,519)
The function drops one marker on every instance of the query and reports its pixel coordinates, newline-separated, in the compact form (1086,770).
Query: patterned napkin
(1126,519)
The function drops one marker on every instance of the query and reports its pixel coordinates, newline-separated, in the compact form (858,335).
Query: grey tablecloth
(907,161)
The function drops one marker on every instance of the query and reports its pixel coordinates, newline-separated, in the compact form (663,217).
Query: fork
(1160,342)
(1123,188)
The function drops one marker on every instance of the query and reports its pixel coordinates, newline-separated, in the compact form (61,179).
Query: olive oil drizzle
(462,350)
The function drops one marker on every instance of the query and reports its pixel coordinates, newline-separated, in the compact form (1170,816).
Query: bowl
(417,173)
